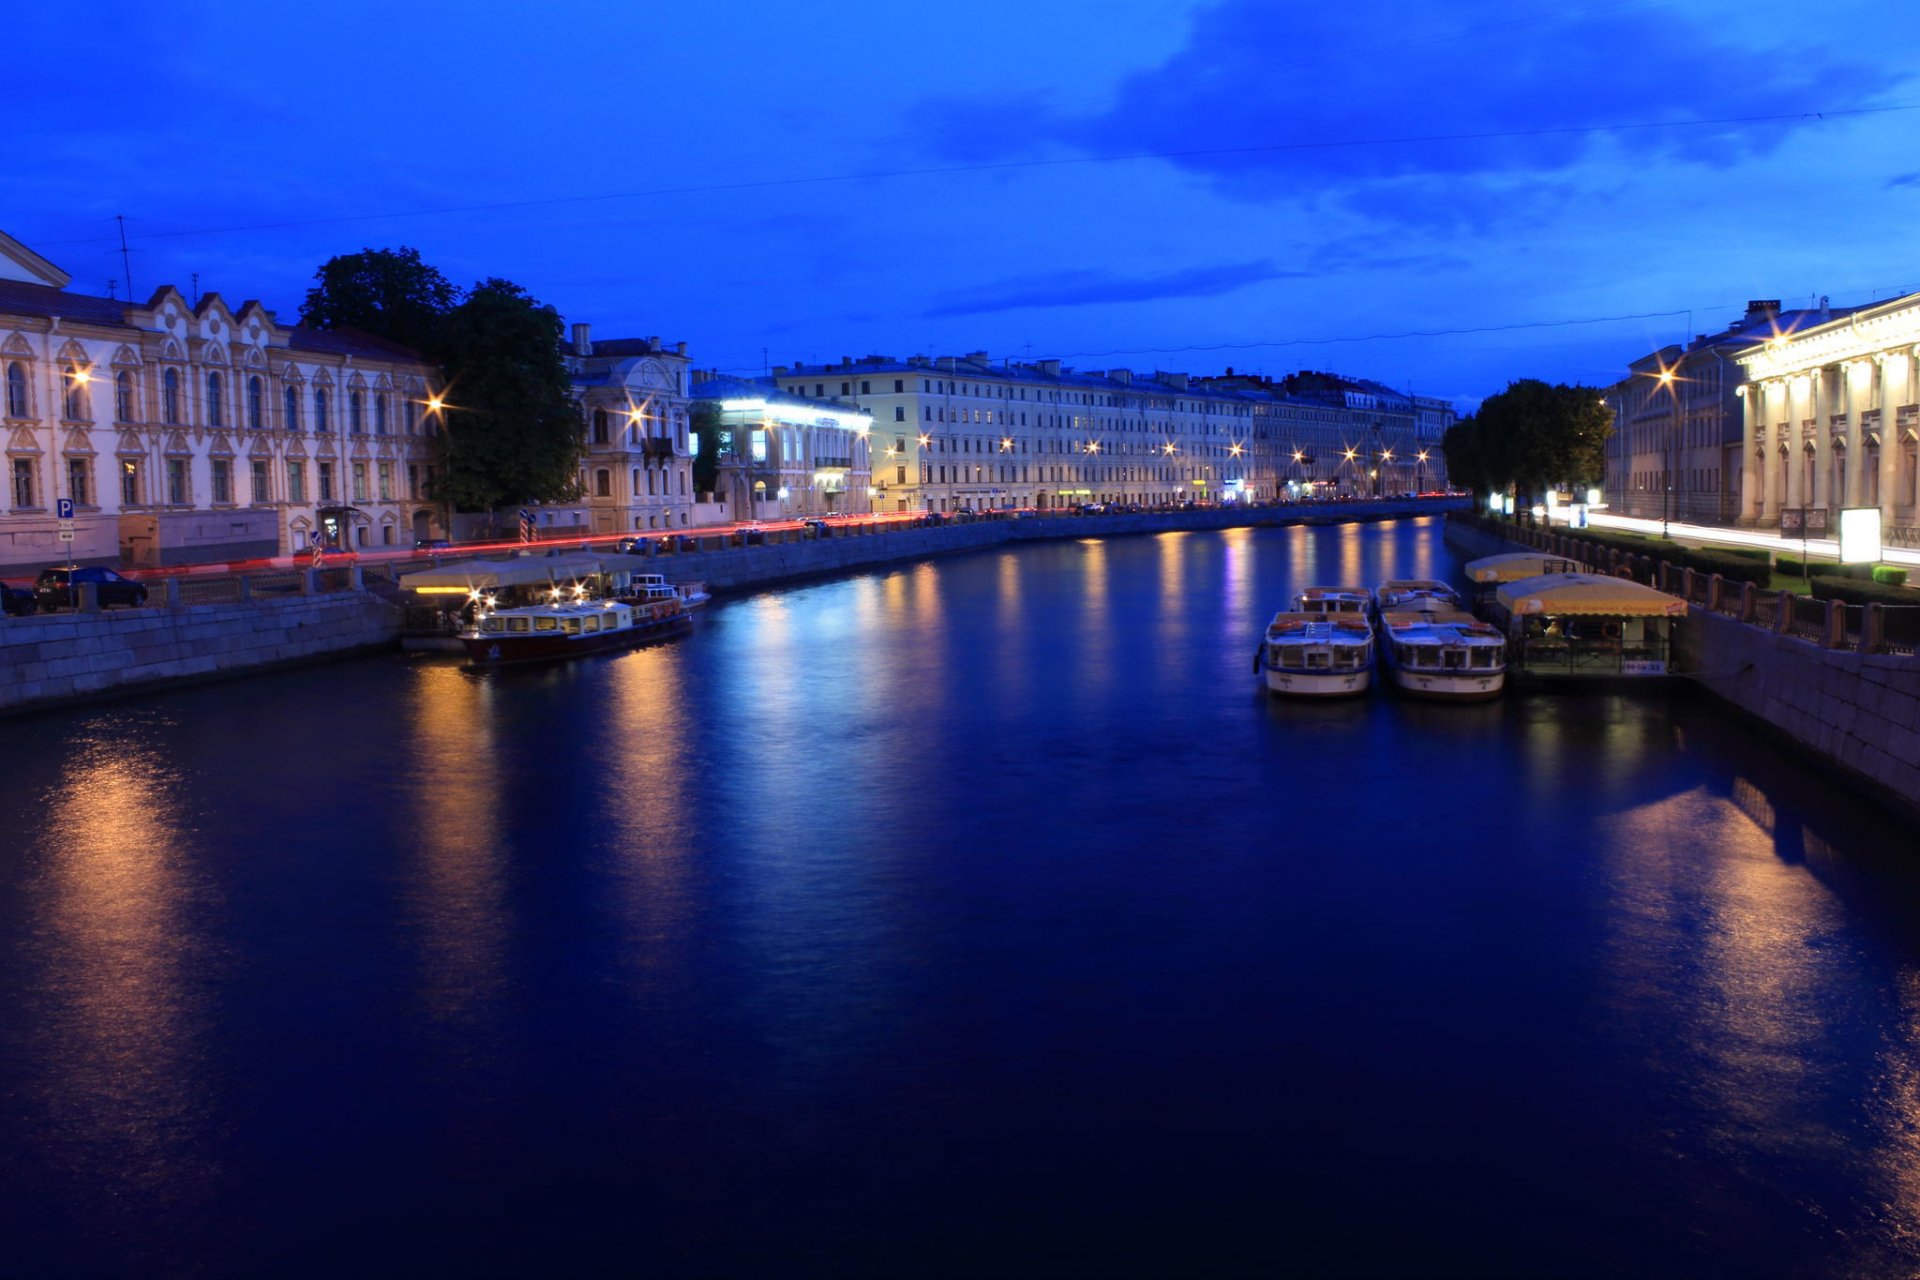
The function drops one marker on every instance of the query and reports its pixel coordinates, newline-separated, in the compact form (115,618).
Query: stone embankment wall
(61,657)
(1858,712)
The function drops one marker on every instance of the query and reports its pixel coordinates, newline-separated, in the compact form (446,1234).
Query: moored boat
(1489,572)
(1316,655)
(547,632)
(1443,653)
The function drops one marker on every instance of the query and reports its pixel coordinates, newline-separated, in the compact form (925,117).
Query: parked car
(17,601)
(54,590)
(432,544)
(821,528)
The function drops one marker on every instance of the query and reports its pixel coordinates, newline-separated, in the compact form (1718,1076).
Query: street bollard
(1835,636)
(1783,612)
(1748,601)
(1716,589)
(1873,627)
(89,598)
(173,593)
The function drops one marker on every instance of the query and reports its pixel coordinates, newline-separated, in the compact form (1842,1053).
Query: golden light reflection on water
(1351,553)
(459,897)
(1242,610)
(1012,669)
(121,1056)
(1714,932)
(651,806)
(1097,641)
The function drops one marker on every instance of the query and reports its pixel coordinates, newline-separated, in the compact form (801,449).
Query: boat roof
(1515,565)
(569,609)
(1451,626)
(1334,622)
(1589,594)
(1415,584)
(1317,592)
(520,571)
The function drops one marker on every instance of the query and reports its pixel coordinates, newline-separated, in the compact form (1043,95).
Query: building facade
(957,433)
(781,455)
(198,432)
(1831,415)
(1676,452)
(638,471)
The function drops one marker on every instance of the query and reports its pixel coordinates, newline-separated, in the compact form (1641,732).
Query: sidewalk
(1817,549)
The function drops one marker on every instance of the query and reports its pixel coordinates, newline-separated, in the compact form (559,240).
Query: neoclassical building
(783,455)
(190,432)
(1831,416)
(962,432)
(638,472)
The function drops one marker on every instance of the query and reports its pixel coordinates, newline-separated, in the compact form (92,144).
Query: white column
(1855,490)
(1819,397)
(1752,471)
(1890,450)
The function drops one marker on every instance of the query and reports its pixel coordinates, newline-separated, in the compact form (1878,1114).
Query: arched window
(603,483)
(256,411)
(600,426)
(354,406)
(320,422)
(216,411)
(123,396)
(76,399)
(379,415)
(16,390)
(170,397)
(291,397)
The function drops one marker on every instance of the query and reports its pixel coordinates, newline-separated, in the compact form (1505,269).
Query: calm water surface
(975,918)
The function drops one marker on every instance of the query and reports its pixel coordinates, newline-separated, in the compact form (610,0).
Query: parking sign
(63,508)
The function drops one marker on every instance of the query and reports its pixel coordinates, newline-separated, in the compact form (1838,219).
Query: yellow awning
(1589,595)
(1516,565)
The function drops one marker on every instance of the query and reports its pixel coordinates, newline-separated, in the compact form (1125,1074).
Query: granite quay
(209,626)
(1837,679)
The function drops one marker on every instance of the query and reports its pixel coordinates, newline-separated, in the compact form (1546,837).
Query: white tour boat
(1333,600)
(1443,653)
(1317,655)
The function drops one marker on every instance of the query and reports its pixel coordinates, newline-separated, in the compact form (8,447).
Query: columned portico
(1835,408)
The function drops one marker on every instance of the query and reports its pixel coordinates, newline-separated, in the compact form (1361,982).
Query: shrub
(1796,567)
(1856,591)
(1890,575)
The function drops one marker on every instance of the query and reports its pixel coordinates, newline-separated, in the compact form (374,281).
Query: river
(975,917)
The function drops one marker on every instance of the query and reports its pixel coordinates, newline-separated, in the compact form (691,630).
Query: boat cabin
(1586,624)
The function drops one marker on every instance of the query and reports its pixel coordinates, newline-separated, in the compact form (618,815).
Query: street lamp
(1420,472)
(1666,471)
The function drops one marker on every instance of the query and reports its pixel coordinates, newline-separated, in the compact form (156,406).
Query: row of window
(77,404)
(366,480)
(603,482)
(944,387)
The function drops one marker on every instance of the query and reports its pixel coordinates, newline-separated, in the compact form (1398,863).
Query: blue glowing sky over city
(1117,183)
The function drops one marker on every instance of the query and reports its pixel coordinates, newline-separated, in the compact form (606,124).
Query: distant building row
(189,431)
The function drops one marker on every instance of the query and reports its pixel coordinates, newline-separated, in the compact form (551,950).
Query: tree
(514,431)
(1533,435)
(707,433)
(389,293)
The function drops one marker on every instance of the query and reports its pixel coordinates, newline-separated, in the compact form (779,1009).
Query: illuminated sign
(1860,535)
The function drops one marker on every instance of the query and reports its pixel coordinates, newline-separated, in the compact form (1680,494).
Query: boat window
(516,624)
(546,622)
(590,624)
(1456,659)
(572,625)
(1318,660)
(490,624)
(1291,656)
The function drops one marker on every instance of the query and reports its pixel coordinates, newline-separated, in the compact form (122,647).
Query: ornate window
(320,422)
(16,390)
(216,411)
(379,415)
(600,426)
(291,400)
(129,482)
(355,405)
(170,397)
(256,409)
(123,396)
(76,397)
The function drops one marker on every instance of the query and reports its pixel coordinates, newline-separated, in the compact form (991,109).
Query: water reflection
(459,894)
(121,1016)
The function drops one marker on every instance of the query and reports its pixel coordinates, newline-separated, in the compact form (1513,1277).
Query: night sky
(1113,182)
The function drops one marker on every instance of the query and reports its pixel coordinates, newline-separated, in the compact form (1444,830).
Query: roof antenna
(196,288)
(113,287)
(125,261)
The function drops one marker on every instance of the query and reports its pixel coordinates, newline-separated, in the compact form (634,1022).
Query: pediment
(73,353)
(322,378)
(79,440)
(214,354)
(16,346)
(170,350)
(127,356)
(290,373)
(222,446)
(177,443)
(22,440)
(130,442)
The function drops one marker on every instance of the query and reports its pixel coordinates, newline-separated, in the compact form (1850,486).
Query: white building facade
(781,455)
(638,470)
(1830,420)
(197,432)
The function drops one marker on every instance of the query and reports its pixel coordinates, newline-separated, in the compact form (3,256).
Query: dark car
(54,590)
(17,601)
(432,544)
(821,529)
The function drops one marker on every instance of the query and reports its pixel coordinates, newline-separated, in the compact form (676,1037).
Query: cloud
(1904,180)
(1317,99)
(1081,288)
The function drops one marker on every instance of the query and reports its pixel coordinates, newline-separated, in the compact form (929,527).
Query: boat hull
(1480,686)
(1292,683)
(501,650)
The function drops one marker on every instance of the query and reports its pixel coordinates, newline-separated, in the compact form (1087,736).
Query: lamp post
(1420,472)
(1666,471)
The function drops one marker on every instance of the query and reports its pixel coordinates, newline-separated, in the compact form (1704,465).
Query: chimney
(779,371)
(1759,309)
(1122,376)
(978,357)
(582,340)
(680,348)
(947,363)
(1176,380)
(1826,312)
(653,343)
(1048,368)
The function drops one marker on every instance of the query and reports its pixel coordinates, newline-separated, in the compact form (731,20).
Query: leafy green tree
(1534,435)
(389,293)
(514,432)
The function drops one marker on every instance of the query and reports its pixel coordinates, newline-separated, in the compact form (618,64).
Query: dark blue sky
(857,177)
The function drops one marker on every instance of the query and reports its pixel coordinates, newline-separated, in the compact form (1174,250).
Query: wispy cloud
(1904,180)
(1082,288)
